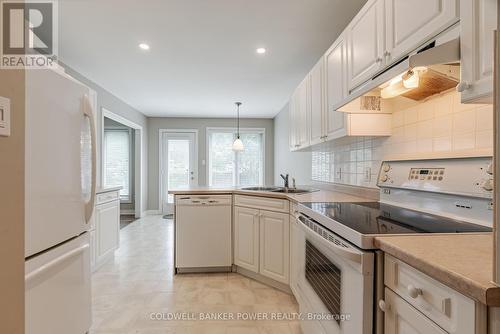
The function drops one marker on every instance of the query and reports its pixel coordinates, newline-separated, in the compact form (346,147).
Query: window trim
(210,130)
(123,199)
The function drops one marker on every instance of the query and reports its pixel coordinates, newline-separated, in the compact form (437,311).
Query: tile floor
(140,283)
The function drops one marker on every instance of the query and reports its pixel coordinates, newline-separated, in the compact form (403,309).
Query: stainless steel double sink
(280,190)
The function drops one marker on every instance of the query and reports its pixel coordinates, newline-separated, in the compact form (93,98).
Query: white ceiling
(202,56)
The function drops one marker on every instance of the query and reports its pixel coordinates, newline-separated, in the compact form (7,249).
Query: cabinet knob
(383,306)
(413,291)
(463,86)
(488,185)
(490,169)
(384,178)
(387,53)
(379,59)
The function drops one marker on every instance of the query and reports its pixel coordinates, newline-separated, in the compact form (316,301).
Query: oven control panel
(465,176)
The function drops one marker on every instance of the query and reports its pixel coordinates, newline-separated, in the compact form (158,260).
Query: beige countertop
(107,190)
(464,262)
(315,196)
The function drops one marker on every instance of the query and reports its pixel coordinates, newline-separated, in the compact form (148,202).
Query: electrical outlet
(4,116)
(368,174)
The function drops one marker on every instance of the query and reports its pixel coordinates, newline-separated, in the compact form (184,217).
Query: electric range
(425,196)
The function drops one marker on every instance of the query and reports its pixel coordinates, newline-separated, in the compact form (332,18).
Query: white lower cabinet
(275,245)
(262,242)
(402,318)
(417,303)
(106,236)
(246,238)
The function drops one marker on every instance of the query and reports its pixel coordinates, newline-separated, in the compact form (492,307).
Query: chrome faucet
(285,179)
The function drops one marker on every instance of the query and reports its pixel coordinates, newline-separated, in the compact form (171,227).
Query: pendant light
(238,144)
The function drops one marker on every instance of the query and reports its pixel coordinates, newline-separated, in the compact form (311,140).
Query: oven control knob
(488,185)
(413,291)
(386,168)
(489,170)
(384,178)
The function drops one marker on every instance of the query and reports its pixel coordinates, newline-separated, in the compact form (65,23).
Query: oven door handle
(343,252)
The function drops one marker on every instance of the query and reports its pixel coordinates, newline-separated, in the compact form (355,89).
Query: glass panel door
(179,165)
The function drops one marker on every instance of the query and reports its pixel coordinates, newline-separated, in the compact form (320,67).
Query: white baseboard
(127,212)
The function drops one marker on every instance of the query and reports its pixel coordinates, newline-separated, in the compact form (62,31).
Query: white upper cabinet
(366,43)
(411,23)
(292,121)
(478,20)
(303,114)
(300,110)
(336,87)
(316,133)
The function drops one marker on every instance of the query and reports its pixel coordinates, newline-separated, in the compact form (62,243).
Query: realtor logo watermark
(29,34)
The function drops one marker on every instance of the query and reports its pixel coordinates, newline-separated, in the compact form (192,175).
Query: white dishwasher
(203,233)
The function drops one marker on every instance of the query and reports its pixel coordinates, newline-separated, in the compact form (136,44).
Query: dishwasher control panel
(185,200)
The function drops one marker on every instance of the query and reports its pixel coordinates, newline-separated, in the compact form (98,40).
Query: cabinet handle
(383,306)
(414,292)
(463,86)
(379,59)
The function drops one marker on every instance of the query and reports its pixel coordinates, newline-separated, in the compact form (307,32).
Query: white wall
(297,164)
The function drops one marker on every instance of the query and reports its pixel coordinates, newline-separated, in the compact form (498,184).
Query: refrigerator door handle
(87,111)
(35,273)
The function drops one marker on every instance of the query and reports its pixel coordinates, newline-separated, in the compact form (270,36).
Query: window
(117,161)
(227,168)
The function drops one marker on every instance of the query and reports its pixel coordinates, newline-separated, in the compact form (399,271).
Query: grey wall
(297,164)
(114,104)
(200,124)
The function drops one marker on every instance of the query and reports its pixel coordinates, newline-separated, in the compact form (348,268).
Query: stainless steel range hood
(430,70)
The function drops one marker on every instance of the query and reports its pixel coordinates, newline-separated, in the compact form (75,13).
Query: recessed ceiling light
(144,46)
(261,51)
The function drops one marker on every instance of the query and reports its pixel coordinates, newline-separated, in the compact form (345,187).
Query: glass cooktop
(378,218)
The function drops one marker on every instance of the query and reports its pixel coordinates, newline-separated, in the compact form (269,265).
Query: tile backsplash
(439,125)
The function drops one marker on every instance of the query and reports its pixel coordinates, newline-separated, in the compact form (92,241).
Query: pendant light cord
(238,104)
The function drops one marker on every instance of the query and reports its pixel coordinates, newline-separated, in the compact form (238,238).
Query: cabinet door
(107,230)
(401,318)
(275,245)
(336,88)
(302,117)
(411,23)
(316,130)
(366,43)
(294,254)
(478,20)
(292,121)
(246,238)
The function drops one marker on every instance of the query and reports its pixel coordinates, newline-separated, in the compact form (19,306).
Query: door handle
(88,112)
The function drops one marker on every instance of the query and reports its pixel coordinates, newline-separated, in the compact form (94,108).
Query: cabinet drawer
(401,317)
(264,203)
(446,307)
(107,197)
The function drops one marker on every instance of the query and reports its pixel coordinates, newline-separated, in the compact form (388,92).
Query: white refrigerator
(60,178)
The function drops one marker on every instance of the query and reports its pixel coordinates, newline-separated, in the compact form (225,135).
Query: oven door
(334,281)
